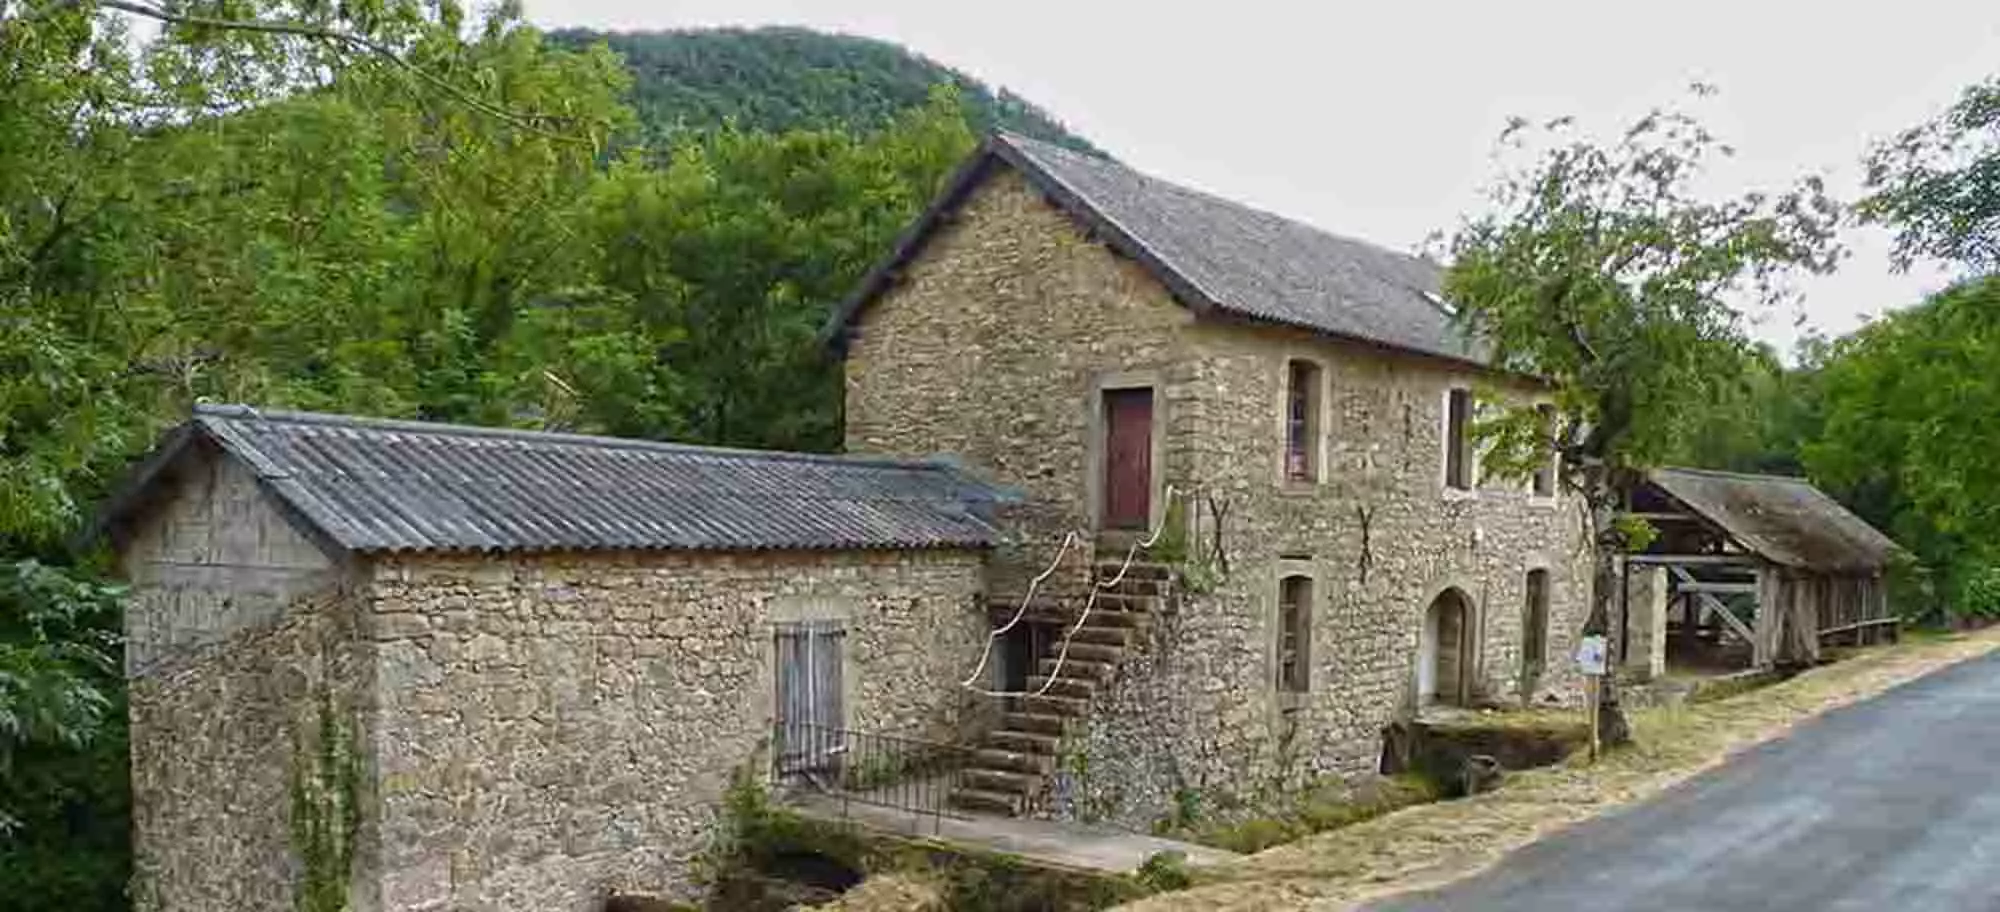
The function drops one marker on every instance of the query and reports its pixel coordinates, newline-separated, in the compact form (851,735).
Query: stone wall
(994,346)
(553,727)
(237,630)
(1379,536)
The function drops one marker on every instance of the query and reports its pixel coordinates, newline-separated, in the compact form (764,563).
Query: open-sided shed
(1767,560)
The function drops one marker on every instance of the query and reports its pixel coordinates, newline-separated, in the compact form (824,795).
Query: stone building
(1128,354)
(544,654)
(531,662)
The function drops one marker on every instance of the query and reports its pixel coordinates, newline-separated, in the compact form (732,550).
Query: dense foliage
(392,209)
(776,79)
(1909,417)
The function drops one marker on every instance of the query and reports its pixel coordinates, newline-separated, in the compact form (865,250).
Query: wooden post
(1592,686)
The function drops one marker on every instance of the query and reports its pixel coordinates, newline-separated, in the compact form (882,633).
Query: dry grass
(1431,844)
(890,893)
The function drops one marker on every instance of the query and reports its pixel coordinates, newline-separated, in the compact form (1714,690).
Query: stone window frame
(1540,665)
(1288,569)
(1318,422)
(1470,454)
(1094,425)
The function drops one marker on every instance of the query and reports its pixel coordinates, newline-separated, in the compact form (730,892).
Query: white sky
(1376,120)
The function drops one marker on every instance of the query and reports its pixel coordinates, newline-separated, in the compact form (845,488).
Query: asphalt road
(1890,804)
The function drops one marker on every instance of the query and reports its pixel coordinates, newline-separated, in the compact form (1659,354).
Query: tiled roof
(1216,255)
(372,485)
(1785,520)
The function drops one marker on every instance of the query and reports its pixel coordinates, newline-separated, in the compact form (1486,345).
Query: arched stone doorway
(1444,651)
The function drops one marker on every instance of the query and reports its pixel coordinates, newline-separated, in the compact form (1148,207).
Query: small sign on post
(1592,663)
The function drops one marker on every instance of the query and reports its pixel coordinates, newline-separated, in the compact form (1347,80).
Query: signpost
(1590,660)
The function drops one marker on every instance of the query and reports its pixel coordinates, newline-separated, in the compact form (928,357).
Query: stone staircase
(1013,766)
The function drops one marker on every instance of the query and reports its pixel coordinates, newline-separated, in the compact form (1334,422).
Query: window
(1294,634)
(1545,476)
(1458,440)
(1535,623)
(1301,421)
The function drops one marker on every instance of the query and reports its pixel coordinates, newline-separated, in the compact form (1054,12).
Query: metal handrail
(862,767)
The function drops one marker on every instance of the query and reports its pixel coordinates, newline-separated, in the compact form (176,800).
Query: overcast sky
(1376,120)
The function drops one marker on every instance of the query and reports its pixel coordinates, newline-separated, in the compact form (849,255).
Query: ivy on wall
(326,809)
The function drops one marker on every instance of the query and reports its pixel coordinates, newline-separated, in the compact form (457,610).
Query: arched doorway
(1444,654)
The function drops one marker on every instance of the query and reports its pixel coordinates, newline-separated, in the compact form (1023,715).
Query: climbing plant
(326,810)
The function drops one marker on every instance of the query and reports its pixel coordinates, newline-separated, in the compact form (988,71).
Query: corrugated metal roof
(373,485)
(1216,254)
(1785,520)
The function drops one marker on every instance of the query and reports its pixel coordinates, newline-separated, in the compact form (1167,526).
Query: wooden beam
(1665,517)
(1861,625)
(1716,605)
(1695,560)
(1718,588)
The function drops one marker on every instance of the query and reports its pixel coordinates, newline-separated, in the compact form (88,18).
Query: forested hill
(780,78)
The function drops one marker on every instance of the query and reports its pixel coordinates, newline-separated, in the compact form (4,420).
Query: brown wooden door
(1128,458)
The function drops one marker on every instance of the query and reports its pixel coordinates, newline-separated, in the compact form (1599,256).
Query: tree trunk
(1606,498)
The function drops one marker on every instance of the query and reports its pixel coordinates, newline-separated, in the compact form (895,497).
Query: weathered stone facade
(532,729)
(995,346)
(237,627)
(553,727)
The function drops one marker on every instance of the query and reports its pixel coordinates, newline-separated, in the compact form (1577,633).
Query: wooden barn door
(1128,458)
(811,712)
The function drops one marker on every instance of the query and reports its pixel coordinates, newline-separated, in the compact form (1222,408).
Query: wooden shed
(1764,568)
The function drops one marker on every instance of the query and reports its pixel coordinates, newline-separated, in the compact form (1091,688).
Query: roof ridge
(1041,144)
(1726,473)
(242,411)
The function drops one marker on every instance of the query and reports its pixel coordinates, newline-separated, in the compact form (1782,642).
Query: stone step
(1000,781)
(1131,585)
(1091,652)
(1114,600)
(1130,620)
(1093,633)
(1065,686)
(1026,742)
(1076,667)
(1015,761)
(1040,723)
(1049,705)
(1140,569)
(990,802)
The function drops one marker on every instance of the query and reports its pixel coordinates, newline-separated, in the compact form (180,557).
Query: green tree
(1938,184)
(1911,408)
(1599,270)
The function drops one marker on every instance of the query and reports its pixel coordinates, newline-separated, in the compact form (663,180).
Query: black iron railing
(907,774)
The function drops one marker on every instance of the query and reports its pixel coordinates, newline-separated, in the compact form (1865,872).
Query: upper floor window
(1458,440)
(1535,623)
(1294,657)
(1301,421)
(1545,475)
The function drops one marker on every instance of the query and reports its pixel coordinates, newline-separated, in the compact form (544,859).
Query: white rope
(1069,541)
(1097,588)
